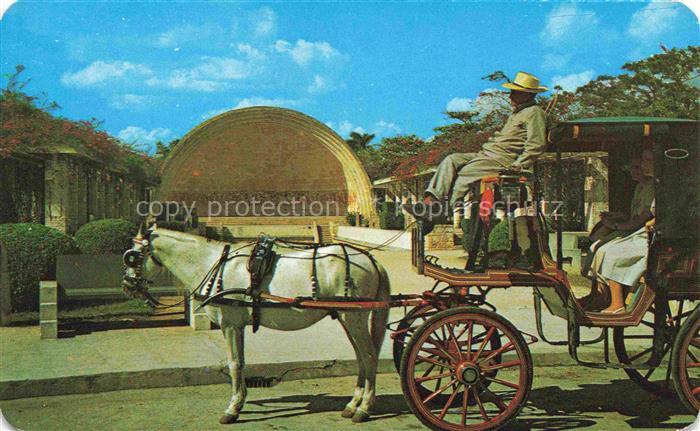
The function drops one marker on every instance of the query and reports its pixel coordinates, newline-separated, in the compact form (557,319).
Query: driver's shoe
(433,212)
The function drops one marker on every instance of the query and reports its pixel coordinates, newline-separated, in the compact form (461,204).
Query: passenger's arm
(636,221)
(536,142)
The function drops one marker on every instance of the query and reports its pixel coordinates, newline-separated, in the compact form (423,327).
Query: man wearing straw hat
(519,143)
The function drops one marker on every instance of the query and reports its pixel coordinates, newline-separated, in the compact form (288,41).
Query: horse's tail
(380,316)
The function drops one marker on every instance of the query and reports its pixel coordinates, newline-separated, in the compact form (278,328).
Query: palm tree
(359,141)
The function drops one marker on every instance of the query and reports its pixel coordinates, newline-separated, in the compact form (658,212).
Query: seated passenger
(615,225)
(515,147)
(620,264)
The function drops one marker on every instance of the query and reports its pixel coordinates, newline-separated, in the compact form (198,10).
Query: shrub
(105,236)
(390,217)
(31,253)
(351,219)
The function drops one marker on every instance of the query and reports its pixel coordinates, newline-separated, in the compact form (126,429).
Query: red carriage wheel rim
(464,370)
(691,392)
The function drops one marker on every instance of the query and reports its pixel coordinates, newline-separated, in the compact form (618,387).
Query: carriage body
(671,282)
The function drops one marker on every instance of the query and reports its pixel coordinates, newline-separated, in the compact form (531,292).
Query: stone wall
(77,191)
(441,238)
(21,190)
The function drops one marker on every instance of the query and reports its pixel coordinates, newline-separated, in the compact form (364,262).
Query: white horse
(189,258)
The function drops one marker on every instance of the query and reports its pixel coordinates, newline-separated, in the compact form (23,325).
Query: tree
(659,86)
(163,150)
(359,141)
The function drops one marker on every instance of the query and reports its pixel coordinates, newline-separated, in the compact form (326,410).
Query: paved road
(563,398)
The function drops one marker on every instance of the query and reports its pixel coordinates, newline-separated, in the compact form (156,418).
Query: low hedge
(31,256)
(390,216)
(106,236)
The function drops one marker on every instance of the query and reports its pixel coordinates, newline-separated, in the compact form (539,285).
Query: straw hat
(525,82)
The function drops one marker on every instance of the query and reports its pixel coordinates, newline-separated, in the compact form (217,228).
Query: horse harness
(260,263)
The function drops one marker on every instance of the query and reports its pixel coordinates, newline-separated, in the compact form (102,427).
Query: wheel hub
(468,373)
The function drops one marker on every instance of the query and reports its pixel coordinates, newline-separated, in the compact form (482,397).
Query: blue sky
(155,70)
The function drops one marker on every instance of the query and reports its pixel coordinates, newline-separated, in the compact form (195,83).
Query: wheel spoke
(433,377)
(696,391)
(496,399)
(430,368)
(693,364)
(643,352)
(502,382)
(486,339)
(502,365)
(503,349)
(448,403)
(437,352)
(481,405)
(440,346)
(433,361)
(469,341)
(465,405)
(438,392)
(450,330)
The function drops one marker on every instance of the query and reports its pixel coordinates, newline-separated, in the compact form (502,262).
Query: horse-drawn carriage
(462,365)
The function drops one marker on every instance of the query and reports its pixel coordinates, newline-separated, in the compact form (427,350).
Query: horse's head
(141,266)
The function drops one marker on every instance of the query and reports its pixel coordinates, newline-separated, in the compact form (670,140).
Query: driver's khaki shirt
(521,140)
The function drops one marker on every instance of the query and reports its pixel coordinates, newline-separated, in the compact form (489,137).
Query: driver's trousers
(457,171)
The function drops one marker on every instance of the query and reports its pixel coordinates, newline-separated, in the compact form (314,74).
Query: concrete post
(5,293)
(199,321)
(48,309)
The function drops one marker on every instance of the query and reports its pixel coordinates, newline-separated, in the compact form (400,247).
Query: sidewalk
(178,356)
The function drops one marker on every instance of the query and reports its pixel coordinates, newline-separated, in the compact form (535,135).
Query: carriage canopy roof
(598,133)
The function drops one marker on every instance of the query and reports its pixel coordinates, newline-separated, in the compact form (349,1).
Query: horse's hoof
(228,419)
(360,416)
(348,413)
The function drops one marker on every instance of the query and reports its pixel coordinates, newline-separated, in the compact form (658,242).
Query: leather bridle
(135,285)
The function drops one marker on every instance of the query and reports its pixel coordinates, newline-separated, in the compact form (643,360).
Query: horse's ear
(139,235)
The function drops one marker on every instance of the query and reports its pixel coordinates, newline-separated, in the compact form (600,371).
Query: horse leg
(357,326)
(351,407)
(236,361)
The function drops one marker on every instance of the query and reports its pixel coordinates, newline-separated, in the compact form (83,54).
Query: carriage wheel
(633,347)
(456,340)
(686,362)
(407,326)
(405,330)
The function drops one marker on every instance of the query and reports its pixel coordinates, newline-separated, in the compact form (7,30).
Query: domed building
(266,169)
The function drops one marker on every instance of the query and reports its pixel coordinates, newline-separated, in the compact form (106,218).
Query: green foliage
(498,237)
(390,216)
(359,141)
(351,218)
(105,236)
(658,86)
(31,252)
(27,125)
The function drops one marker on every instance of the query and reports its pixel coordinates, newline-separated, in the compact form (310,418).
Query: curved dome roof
(265,154)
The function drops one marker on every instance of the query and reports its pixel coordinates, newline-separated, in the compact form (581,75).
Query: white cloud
(264,22)
(304,52)
(459,104)
(261,101)
(652,20)
(188,33)
(382,127)
(129,101)
(142,137)
(567,20)
(345,127)
(250,52)
(555,61)
(573,81)
(208,76)
(100,72)
(319,85)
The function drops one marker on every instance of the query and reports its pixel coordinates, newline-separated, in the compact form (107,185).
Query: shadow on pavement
(548,408)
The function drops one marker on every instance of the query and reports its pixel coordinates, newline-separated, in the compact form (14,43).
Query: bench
(82,277)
